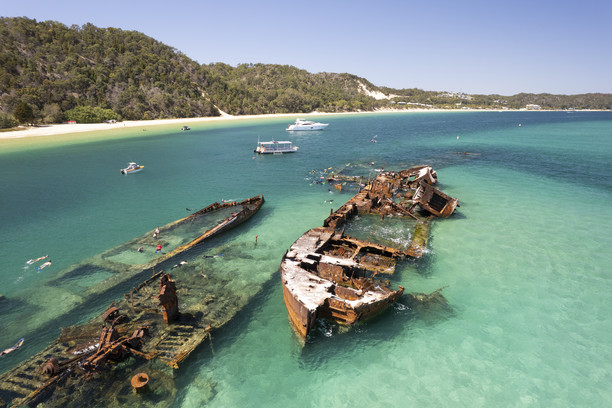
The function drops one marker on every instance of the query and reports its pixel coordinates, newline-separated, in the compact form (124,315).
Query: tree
(24,113)
(7,121)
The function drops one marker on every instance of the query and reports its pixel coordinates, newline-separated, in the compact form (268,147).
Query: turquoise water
(524,262)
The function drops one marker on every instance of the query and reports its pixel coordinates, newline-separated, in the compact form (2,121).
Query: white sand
(50,130)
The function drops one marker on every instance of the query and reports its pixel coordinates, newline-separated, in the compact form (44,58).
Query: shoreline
(62,129)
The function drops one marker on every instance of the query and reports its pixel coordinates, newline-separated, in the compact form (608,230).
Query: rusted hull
(327,274)
(434,201)
(301,319)
(233,221)
(343,313)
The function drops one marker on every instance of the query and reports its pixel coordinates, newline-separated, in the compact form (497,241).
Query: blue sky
(502,47)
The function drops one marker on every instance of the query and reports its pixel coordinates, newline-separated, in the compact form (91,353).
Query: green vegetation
(54,69)
(23,113)
(7,121)
(90,114)
(50,73)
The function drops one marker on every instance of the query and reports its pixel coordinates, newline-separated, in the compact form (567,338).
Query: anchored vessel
(146,324)
(328,274)
(275,147)
(302,124)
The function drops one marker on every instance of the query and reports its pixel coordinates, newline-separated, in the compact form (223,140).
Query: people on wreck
(140,249)
(159,248)
(156,233)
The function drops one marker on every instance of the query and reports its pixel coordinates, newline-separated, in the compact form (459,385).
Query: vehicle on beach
(274,147)
(302,124)
(132,168)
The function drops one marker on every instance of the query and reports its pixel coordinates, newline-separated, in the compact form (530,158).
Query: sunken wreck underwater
(330,275)
(126,356)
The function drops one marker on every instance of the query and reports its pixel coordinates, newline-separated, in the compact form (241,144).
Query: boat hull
(301,318)
(265,151)
(319,126)
(130,171)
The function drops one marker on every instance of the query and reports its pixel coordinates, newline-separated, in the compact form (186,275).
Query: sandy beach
(58,129)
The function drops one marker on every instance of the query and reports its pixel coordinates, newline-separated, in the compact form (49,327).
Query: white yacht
(275,147)
(302,124)
(132,168)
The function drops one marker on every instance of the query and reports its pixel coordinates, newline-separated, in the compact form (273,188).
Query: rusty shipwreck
(330,275)
(158,323)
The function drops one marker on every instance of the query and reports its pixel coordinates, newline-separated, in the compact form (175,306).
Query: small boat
(185,128)
(275,147)
(302,124)
(132,168)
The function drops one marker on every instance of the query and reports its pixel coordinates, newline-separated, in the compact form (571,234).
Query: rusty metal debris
(139,382)
(168,299)
(328,274)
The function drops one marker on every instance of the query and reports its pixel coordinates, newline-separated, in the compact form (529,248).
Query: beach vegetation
(90,114)
(23,113)
(7,121)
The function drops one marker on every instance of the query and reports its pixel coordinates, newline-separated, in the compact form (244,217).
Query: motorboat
(132,168)
(274,147)
(185,128)
(302,124)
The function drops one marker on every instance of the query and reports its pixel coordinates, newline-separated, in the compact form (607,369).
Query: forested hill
(54,68)
(50,73)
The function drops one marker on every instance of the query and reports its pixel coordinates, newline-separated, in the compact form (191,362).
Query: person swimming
(180,264)
(11,349)
(31,261)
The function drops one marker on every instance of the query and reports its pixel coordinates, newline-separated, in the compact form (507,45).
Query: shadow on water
(330,342)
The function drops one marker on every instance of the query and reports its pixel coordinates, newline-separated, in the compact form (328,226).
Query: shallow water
(524,262)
